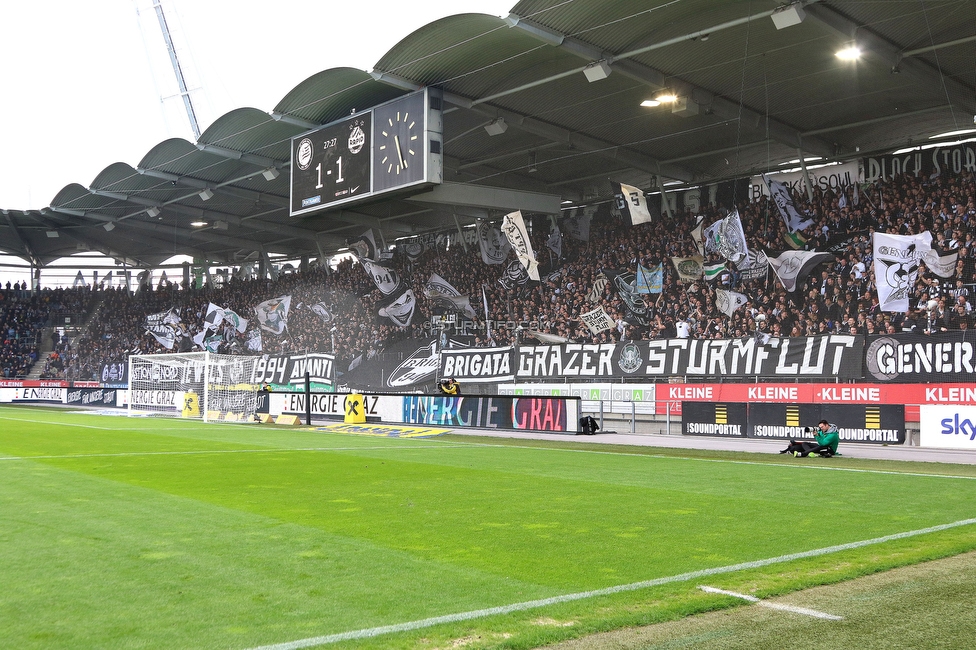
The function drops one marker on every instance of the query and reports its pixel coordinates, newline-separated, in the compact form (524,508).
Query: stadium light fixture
(496,126)
(666,98)
(271,173)
(154,212)
(849,53)
(109,227)
(597,70)
(198,224)
(207,194)
(650,103)
(788,16)
(52,234)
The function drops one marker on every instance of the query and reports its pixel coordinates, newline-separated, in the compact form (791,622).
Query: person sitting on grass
(825,446)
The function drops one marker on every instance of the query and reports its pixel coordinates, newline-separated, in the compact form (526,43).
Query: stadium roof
(730,63)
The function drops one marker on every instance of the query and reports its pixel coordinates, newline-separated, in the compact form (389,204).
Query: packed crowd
(23,314)
(838,297)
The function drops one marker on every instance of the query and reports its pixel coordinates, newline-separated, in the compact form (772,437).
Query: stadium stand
(839,297)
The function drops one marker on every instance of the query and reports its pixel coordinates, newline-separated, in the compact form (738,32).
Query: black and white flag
(514,228)
(494,246)
(942,263)
(727,238)
(323,311)
(728,301)
(514,275)
(555,243)
(577,223)
(630,203)
(165,327)
(689,268)
(442,294)
(272,314)
(214,317)
(793,267)
(598,320)
(400,310)
(896,262)
(364,246)
(784,203)
(593,295)
(383,275)
(758,266)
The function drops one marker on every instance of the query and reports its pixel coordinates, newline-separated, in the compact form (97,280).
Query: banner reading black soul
(920,359)
(812,357)
(877,424)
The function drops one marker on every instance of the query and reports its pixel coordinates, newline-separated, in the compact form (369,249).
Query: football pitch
(123,532)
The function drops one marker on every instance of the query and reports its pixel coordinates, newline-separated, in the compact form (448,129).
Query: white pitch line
(815,467)
(533,604)
(763,603)
(197,452)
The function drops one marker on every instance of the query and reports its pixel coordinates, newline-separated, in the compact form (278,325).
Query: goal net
(200,385)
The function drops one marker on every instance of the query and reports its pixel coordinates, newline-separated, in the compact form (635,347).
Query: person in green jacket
(826,443)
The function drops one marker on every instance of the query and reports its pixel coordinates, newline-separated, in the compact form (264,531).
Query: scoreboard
(390,147)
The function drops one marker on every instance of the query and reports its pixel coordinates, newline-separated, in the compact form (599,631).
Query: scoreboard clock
(393,146)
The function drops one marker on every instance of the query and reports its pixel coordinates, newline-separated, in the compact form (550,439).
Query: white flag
(728,301)
(896,261)
(784,203)
(631,203)
(942,264)
(793,267)
(214,317)
(494,246)
(364,246)
(598,320)
(240,324)
(514,228)
(727,238)
(272,314)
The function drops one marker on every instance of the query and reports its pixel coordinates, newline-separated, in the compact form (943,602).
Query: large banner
(834,177)
(478,364)
(922,164)
(287,372)
(916,358)
(811,357)
(92,397)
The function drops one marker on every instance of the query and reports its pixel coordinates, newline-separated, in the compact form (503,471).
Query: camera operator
(825,446)
(449,387)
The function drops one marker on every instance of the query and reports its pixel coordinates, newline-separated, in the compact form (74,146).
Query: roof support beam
(960,95)
(24,245)
(552,132)
(656,79)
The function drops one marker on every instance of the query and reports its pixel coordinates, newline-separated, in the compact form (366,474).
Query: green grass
(139,533)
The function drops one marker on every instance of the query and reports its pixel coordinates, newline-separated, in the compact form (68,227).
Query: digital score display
(332,165)
(389,148)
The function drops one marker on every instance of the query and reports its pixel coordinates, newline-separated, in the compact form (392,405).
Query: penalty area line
(582,595)
(762,603)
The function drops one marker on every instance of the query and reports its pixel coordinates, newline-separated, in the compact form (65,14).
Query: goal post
(195,385)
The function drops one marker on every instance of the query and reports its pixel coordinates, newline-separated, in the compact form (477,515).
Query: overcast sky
(82,80)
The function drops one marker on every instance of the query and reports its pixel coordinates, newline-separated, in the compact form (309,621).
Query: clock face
(399,141)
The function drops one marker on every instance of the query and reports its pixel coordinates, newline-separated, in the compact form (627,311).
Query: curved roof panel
(330,95)
(750,95)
